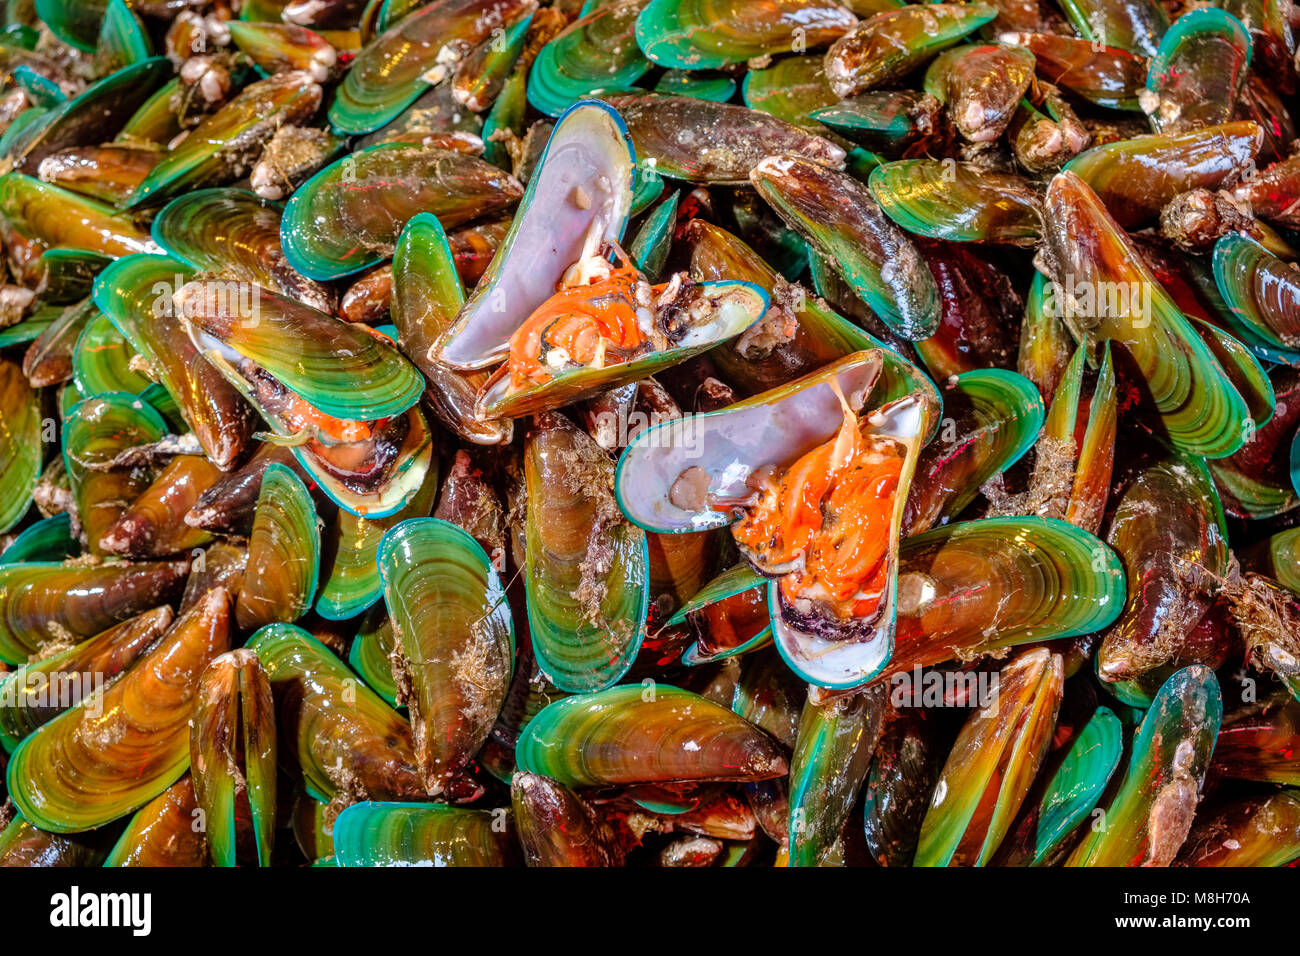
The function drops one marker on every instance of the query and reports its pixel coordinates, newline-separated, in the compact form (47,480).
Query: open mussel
(579,196)
(607,326)
(781,462)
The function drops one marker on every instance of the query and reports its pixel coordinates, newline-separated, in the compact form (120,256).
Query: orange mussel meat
(825,523)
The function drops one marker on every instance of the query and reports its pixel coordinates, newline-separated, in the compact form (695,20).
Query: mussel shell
(31,327)
(162,832)
(1073,791)
(371,477)
(1150,814)
(981,86)
(772,698)
(888,46)
(97,114)
(595,53)
(717,87)
(387,75)
(41,91)
(49,215)
(481,75)
(20,443)
(423,834)
(583,184)
(1134,25)
(975,586)
(1258,481)
(832,754)
(1258,830)
(427,294)
(279,47)
(154,122)
(1095,460)
(220,565)
(705,142)
(232,754)
(351,581)
(23,845)
(842,222)
(1165,524)
(42,602)
(118,750)
(791,89)
(652,243)
(995,418)
(707,34)
(992,764)
(886,122)
(958,202)
(36,693)
(371,652)
(1258,742)
(211,153)
(227,506)
(896,793)
(101,359)
(1243,368)
(1273,39)
(586,616)
(452,624)
(1138,177)
(738,580)
(136,294)
(49,539)
(1262,290)
(283,553)
(350,214)
(1278,557)
(652,734)
(153,525)
(95,432)
(344,369)
(75,22)
(1104,75)
(557,827)
(1198,406)
(122,38)
(1199,70)
(821,336)
(335,731)
(235,234)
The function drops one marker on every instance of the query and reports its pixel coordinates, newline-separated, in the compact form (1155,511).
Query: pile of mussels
(651,432)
